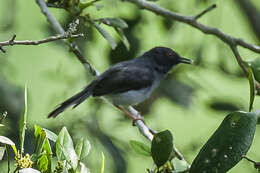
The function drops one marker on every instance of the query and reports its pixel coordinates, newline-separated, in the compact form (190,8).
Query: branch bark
(12,41)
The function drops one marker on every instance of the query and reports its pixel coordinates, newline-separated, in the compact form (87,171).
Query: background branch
(12,41)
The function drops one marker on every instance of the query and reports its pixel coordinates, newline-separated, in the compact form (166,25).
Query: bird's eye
(168,54)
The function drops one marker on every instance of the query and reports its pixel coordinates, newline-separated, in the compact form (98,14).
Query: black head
(165,58)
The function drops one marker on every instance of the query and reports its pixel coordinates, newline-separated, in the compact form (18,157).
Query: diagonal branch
(12,41)
(190,20)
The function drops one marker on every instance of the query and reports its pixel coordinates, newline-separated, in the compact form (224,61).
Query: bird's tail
(74,100)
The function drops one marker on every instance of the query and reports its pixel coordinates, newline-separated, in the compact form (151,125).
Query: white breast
(132,97)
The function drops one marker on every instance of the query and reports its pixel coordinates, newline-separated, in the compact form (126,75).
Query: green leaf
(255,65)
(82,148)
(140,148)
(47,149)
(2,152)
(251,80)
(123,38)
(65,149)
(105,34)
(227,145)
(39,139)
(50,135)
(83,168)
(162,145)
(102,163)
(43,164)
(115,22)
(23,122)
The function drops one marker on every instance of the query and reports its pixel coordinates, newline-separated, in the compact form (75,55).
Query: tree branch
(190,20)
(12,41)
(205,11)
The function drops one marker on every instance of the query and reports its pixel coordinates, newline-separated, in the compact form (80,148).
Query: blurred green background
(191,101)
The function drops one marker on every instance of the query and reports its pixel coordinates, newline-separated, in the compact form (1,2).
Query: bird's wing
(123,77)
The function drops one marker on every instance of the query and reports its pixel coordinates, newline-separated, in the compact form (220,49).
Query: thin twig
(256,164)
(12,41)
(205,11)
(239,59)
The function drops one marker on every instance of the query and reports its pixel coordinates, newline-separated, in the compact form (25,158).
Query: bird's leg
(129,115)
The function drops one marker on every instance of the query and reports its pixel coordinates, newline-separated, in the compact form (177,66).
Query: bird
(130,82)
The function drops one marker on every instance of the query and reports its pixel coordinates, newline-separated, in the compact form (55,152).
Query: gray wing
(123,77)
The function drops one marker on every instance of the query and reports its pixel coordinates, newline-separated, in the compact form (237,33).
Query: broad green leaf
(115,22)
(83,168)
(102,163)
(2,152)
(50,135)
(123,38)
(28,170)
(162,145)
(23,122)
(251,80)
(82,148)
(6,140)
(43,164)
(65,149)
(106,35)
(227,145)
(140,148)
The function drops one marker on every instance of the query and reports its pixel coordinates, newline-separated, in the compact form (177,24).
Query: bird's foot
(129,115)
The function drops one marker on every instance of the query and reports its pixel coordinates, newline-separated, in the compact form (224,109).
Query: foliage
(64,156)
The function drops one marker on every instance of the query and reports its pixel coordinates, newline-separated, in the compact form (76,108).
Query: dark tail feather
(74,100)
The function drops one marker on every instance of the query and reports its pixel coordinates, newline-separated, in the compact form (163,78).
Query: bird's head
(165,58)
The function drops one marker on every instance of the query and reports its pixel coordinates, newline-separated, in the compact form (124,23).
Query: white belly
(132,97)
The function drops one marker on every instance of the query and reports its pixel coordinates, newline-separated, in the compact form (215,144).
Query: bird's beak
(185,60)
